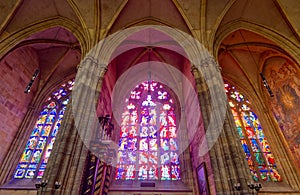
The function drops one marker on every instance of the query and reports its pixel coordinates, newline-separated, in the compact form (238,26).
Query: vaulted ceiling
(236,32)
(54,35)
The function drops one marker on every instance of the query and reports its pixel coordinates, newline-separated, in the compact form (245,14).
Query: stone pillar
(67,160)
(227,157)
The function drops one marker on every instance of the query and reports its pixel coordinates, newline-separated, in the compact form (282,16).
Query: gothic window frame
(139,137)
(252,137)
(41,139)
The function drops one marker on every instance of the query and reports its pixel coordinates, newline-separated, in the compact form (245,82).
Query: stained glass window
(254,143)
(148,148)
(40,143)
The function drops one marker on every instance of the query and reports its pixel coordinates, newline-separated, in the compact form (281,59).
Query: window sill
(160,186)
(20,184)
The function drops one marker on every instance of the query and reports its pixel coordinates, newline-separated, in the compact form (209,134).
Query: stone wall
(16,71)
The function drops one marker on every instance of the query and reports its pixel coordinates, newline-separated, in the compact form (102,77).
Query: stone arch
(39,26)
(210,93)
(258,93)
(95,64)
(9,46)
(17,147)
(230,27)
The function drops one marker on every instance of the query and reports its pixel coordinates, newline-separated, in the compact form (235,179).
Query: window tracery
(148,148)
(35,157)
(254,143)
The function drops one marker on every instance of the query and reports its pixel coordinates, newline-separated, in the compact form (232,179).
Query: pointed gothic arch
(258,154)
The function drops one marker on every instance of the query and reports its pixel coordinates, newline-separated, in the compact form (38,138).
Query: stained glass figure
(164,158)
(153,158)
(34,159)
(153,132)
(130,172)
(148,135)
(152,173)
(254,143)
(120,172)
(174,158)
(122,157)
(175,172)
(132,144)
(165,172)
(132,157)
(143,172)
(153,145)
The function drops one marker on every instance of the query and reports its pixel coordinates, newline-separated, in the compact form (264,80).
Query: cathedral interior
(149,97)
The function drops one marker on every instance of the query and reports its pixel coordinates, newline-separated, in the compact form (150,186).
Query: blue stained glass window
(257,150)
(34,159)
(148,146)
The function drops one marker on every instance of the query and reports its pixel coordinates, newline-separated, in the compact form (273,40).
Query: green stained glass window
(254,143)
(37,151)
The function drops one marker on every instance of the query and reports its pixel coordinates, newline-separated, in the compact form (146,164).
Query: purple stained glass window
(34,159)
(254,143)
(148,146)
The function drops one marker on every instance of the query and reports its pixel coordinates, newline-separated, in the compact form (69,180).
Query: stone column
(227,157)
(67,160)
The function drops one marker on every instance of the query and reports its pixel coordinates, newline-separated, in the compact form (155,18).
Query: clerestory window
(253,140)
(37,151)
